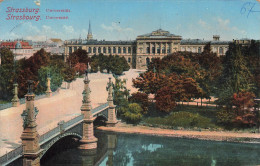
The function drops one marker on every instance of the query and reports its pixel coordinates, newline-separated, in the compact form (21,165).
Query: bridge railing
(22,101)
(99,108)
(48,134)
(73,121)
(12,155)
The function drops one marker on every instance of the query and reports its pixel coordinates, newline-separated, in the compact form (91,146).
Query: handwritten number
(248,7)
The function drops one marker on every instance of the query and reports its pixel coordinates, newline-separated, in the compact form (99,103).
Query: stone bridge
(34,146)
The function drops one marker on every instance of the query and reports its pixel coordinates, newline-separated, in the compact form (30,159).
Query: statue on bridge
(30,136)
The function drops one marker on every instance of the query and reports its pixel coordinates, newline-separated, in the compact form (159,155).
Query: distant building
(20,48)
(139,52)
(54,46)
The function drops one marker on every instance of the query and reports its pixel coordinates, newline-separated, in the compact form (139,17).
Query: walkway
(62,106)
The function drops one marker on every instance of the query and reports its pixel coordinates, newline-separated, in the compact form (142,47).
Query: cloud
(115,27)
(224,25)
(68,29)
(204,24)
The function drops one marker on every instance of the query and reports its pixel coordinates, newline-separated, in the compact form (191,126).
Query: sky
(126,19)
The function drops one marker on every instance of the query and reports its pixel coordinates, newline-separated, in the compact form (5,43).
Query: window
(109,50)
(104,50)
(70,49)
(129,50)
(119,50)
(147,61)
(124,50)
(89,50)
(221,51)
(114,50)
(163,49)
(168,48)
(99,50)
(158,50)
(79,47)
(148,50)
(75,48)
(199,50)
(94,50)
(129,60)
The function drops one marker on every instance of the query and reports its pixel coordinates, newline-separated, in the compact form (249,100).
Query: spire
(89,29)
(89,36)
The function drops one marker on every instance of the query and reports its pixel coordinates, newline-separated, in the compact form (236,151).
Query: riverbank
(202,135)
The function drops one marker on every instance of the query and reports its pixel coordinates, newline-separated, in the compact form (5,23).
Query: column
(102,50)
(116,50)
(112,121)
(160,48)
(48,91)
(30,136)
(15,100)
(88,141)
(150,45)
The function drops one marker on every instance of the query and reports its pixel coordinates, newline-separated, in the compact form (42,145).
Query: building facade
(139,52)
(20,48)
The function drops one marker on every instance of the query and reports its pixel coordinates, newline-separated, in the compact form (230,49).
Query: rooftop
(159,34)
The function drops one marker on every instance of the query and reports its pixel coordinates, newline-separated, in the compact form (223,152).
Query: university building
(139,52)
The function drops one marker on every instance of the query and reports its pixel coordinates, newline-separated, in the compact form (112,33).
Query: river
(130,149)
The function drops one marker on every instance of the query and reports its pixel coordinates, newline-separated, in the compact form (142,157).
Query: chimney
(216,37)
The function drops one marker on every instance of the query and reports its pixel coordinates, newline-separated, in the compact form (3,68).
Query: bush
(225,117)
(182,119)
(132,113)
(141,99)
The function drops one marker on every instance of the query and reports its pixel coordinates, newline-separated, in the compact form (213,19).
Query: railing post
(48,91)
(112,121)
(15,100)
(30,136)
(61,126)
(88,141)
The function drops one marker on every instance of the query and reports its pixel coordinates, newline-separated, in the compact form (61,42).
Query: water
(123,150)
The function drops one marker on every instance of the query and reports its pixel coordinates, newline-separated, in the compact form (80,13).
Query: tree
(7,74)
(55,75)
(149,82)
(80,68)
(236,77)
(244,102)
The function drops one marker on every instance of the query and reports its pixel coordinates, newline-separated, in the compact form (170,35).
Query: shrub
(132,113)
(225,117)
(182,119)
(141,99)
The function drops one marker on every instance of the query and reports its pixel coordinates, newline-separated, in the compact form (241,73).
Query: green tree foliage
(252,57)
(236,77)
(121,93)
(55,75)
(117,65)
(7,74)
(132,113)
(29,70)
(141,99)
(69,74)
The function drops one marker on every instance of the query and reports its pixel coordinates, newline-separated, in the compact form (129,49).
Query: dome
(18,45)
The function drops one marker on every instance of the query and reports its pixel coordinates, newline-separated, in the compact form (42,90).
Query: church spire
(89,36)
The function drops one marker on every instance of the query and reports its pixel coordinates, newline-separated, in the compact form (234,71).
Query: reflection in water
(123,149)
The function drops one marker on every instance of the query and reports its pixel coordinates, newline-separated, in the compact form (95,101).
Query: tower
(89,37)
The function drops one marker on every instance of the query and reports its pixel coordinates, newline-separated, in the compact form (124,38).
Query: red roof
(11,45)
